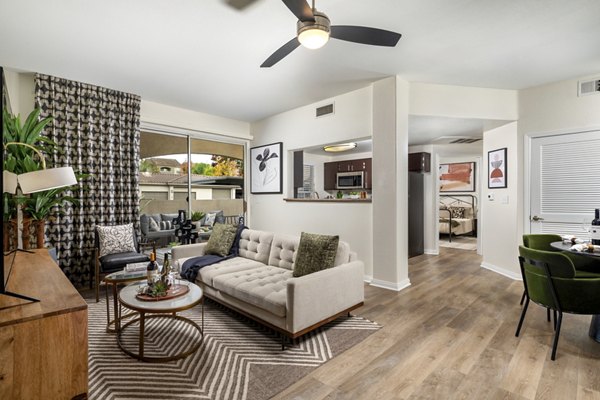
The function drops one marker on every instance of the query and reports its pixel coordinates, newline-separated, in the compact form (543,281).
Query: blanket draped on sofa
(190,268)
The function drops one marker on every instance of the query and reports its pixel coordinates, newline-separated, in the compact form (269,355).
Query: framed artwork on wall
(497,167)
(457,177)
(266,166)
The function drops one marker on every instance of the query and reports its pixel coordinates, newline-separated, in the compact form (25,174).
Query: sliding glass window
(182,173)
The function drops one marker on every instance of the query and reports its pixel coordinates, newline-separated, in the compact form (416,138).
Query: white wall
(21,91)
(168,116)
(500,228)
(556,107)
(463,102)
(298,129)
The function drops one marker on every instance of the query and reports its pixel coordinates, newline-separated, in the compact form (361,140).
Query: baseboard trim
(395,286)
(367,278)
(502,271)
(432,252)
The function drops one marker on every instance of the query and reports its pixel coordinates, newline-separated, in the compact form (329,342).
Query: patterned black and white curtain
(97,131)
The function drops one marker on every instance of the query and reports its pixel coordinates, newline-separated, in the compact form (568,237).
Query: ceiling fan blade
(365,35)
(281,53)
(301,9)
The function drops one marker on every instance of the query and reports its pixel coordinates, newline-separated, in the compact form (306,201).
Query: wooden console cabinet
(43,345)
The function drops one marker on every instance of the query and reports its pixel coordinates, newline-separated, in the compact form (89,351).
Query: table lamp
(31,182)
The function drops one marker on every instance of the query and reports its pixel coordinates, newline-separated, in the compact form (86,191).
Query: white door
(565,183)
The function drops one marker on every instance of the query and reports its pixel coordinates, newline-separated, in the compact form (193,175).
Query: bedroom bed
(458,215)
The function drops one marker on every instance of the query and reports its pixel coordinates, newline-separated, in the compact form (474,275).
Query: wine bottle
(596,222)
(166,270)
(151,269)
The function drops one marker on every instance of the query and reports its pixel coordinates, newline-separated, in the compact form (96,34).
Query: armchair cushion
(115,239)
(116,261)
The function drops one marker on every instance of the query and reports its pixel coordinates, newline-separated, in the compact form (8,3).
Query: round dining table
(595,324)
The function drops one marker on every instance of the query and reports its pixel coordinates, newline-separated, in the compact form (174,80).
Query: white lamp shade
(9,181)
(47,179)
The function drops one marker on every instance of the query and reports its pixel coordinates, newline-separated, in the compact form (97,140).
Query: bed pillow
(457,212)
(115,239)
(315,253)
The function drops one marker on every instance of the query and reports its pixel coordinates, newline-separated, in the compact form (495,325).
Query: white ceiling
(362,146)
(204,55)
(426,129)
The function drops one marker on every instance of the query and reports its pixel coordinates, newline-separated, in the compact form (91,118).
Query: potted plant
(197,216)
(24,146)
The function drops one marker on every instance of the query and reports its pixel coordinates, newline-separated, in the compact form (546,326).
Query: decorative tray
(175,290)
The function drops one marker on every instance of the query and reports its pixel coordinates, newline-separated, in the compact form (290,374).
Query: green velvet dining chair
(550,280)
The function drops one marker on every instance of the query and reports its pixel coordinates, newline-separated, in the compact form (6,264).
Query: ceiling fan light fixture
(314,38)
(337,148)
(314,34)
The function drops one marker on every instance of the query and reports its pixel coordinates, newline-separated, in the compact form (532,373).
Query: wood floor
(451,335)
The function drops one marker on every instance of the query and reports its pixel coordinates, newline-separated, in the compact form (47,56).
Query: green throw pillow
(221,239)
(315,253)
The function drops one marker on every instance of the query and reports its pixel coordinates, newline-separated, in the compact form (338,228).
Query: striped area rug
(239,359)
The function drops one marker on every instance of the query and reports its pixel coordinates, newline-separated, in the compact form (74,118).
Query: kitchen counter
(328,200)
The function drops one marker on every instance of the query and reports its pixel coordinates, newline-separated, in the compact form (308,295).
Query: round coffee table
(161,309)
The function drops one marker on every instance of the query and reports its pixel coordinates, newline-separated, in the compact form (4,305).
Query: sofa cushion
(283,251)
(264,287)
(166,225)
(315,253)
(221,239)
(168,217)
(144,222)
(208,273)
(152,225)
(256,245)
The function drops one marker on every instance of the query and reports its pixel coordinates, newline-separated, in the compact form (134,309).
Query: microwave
(350,180)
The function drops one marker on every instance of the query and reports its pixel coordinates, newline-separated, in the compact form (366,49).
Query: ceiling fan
(314,30)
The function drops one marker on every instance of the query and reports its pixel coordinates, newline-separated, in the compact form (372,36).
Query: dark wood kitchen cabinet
(332,168)
(419,162)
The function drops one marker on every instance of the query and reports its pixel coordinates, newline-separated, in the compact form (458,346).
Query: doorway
(564,183)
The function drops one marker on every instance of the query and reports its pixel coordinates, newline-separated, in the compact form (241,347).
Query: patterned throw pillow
(153,225)
(221,239)
(115,239)
(315,253)
(166,225)
(457,212)
(210,218)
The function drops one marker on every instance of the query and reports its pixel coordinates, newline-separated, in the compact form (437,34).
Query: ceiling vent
(455,140)
(324,110)
(588,87)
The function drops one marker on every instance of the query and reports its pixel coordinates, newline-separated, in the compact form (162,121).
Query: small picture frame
(497,169)
(266,166)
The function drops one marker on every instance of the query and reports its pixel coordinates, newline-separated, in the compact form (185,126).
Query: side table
(115,279)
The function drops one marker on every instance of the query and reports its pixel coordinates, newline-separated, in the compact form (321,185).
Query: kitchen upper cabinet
(419,162)
(331,170)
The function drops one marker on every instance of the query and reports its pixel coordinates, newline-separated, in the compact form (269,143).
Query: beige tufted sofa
(259,283)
